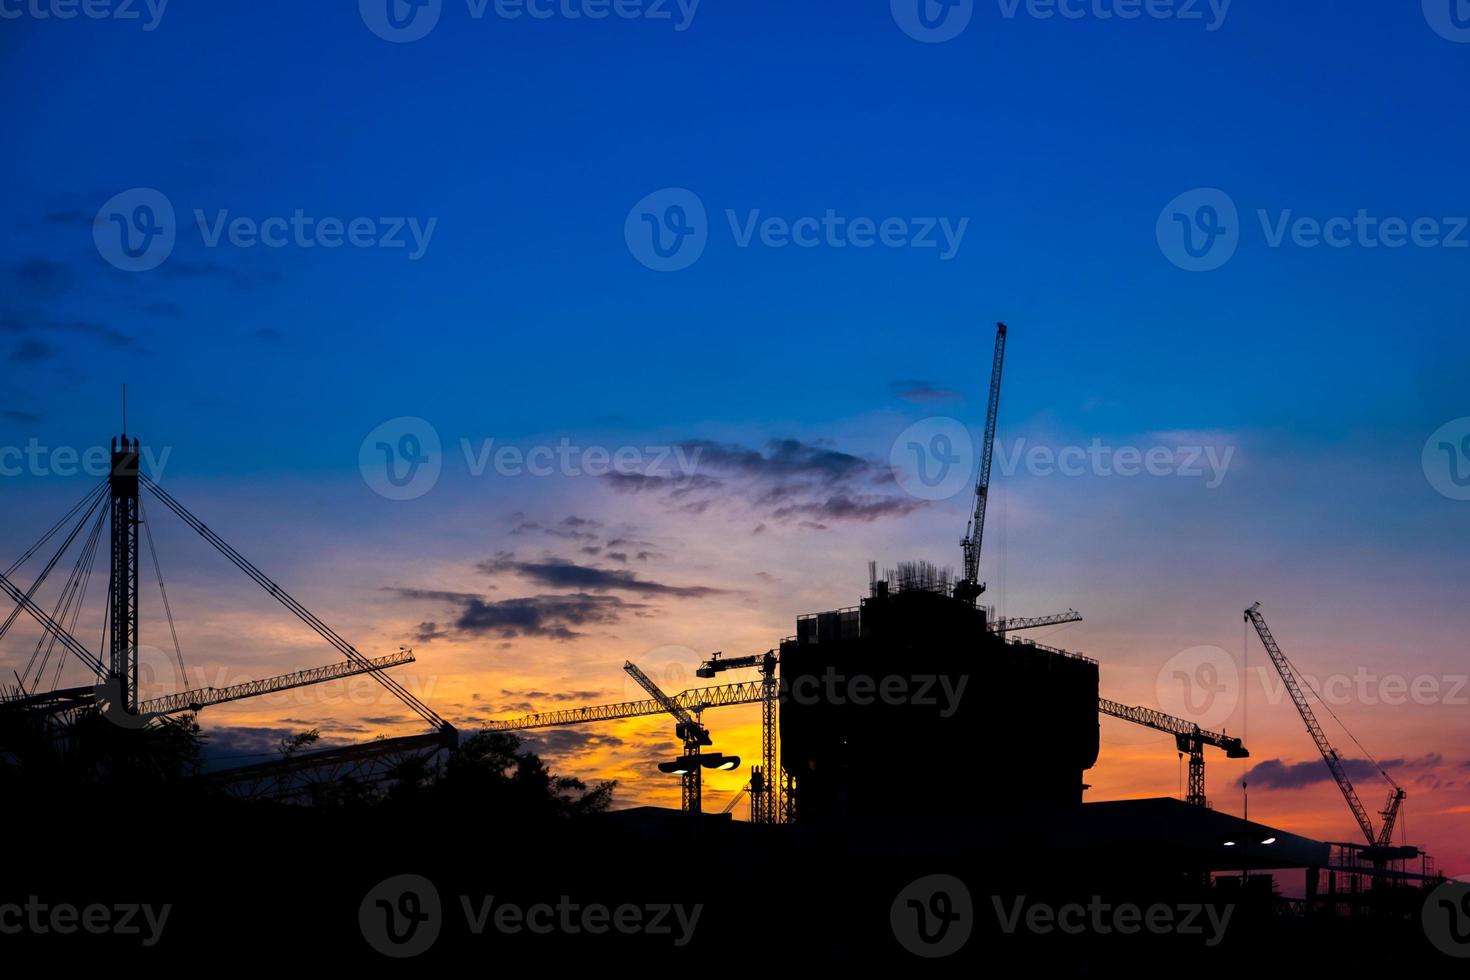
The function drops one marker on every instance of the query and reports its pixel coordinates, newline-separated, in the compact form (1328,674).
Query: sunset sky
(765,397)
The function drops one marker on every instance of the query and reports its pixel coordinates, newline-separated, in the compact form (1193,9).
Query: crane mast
(1188,737)
(1329,754)
(970,587)
(689,731)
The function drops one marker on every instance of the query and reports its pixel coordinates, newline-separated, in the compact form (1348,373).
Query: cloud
(31,351)
(569,741)
(75,218)
(87,328)
(550,616)
(782,459)
(561,573)
(841,507)
(41,276)
(228,747)
(1276,774)
(922,392)
(551,695)
(24,418)
(787,481)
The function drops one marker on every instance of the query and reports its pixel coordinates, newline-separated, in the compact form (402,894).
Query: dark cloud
(228,747)
(563,574)
(34,328)
(23,418)
(31,351)
(1276,774)
(922,392)
(551,616)
(74,218)
(268,335)
(579,696)
(627,542)
(39,276)
(787,481)
(569,741)
(841,507)
(575,529)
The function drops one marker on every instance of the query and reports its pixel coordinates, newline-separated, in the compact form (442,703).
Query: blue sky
(528,318)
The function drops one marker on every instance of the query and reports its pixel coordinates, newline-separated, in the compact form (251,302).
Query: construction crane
(119,496)
(1189,737)
(970,587)
(735,801)
(694,699)
(689,731)
(200,698)
(1001,627)
(765,804)
(1380,844)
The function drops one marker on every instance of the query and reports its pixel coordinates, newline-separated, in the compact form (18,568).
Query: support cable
(158,570)
(300,611)
(56,527)
(77,610)
(62,610)
(27,597)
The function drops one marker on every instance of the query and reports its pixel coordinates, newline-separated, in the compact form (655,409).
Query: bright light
(1269,840)
(1230,843)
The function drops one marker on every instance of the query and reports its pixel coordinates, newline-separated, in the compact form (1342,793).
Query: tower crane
(688,730)
(970,587)
(1003,626)
(1190,738)
(119,496)
(764,784)
(1380,844)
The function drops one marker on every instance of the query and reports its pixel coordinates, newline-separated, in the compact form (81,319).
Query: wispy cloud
(923,392)
(564,574)
(787,481)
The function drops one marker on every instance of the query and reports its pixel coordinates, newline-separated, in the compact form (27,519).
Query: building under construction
(865,689)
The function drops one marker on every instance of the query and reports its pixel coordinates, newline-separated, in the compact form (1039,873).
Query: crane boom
(1189,737)
(1157,720)
(1004,626)
(1329,754)
(694,699)
(205,696)
(970,587)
